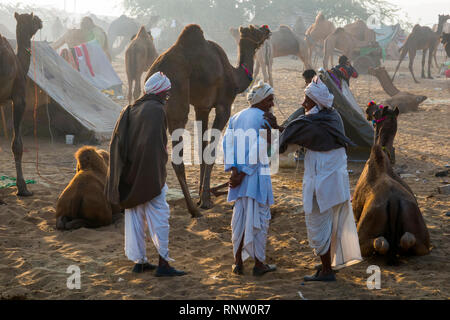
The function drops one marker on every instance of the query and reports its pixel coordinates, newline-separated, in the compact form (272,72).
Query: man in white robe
(136,177)
(326,191)
(250,186)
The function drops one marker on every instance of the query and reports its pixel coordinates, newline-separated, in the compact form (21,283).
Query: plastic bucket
(69,138)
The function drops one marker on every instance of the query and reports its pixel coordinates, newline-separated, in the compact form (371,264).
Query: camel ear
(241,29)
(16,15)
(396,111)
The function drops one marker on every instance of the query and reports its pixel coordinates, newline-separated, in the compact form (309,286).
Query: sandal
(260,271)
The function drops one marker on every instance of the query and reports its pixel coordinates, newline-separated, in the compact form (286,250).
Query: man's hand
(236,178)
(272,121)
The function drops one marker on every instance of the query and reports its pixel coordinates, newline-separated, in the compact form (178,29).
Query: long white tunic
(328,211)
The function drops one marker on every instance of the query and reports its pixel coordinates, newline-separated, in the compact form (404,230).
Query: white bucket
(69,138)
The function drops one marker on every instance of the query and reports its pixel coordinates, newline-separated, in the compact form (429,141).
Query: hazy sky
(419,11)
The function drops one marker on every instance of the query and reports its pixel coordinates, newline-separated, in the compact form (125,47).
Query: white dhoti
(251,220)
(157,213)
(334,229)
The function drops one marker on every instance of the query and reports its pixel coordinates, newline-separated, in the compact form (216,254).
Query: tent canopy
(81,108)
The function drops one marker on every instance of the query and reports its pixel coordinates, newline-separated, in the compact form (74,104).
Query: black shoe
(259,271)
(317,277)
(168,272)
(238,269)
(142,267)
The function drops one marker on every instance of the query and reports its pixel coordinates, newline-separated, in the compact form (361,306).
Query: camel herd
(388,218)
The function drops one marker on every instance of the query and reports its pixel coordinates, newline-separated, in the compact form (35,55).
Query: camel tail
(394,228)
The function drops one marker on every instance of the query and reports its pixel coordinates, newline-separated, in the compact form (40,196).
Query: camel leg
(222,116)
(264,72)
(430,60)
(180,170)
(269,70)
(130,89)
(137,87)
(424,53)
(412,55)
(17,145)
(202,116)
(256,71)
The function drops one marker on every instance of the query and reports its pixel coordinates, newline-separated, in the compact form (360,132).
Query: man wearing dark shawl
(136,177)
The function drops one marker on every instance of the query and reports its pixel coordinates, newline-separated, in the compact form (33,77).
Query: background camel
(388,218)
(83,203)
(123,27)
(344,42)
(202,76)
(139,56)
(446,29)
(318,32)
(360,31)
(13,83)
(404,101)
(421,38)
(445,39)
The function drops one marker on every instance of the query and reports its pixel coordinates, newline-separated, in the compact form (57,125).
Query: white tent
(82,106)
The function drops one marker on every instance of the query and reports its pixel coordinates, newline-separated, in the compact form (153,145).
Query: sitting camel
(83,203)
(404,101)
(445,40)
(344,42)
(139,56)
(389,221)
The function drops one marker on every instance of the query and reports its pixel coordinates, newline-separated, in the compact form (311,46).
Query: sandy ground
(34,257)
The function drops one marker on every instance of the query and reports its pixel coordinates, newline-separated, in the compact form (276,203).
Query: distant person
(308,75)
(137,174)
(345,70)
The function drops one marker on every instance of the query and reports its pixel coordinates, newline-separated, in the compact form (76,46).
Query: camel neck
(244,68)
(440,27)
(24,52)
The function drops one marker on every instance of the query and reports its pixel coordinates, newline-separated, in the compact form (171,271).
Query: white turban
(319,93)
(157,83)
(259,92)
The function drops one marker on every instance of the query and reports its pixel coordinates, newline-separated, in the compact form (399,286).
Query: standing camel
(421,38)
(202,76)
(13,83)
(342,41)
(318,32)
(139,56)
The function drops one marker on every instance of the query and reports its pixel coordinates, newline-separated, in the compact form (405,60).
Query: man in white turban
(250,187)
(136,178)
(326,191)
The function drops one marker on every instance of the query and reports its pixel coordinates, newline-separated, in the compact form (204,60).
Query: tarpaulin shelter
(76,106)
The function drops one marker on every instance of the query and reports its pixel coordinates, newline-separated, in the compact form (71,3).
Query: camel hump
(339,30)
(191,36)
(320,16)
(88,158)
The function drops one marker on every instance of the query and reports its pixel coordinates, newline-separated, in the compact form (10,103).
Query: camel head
(385,122)
(256,35)
(27,25)
(443,18)
(87,23)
